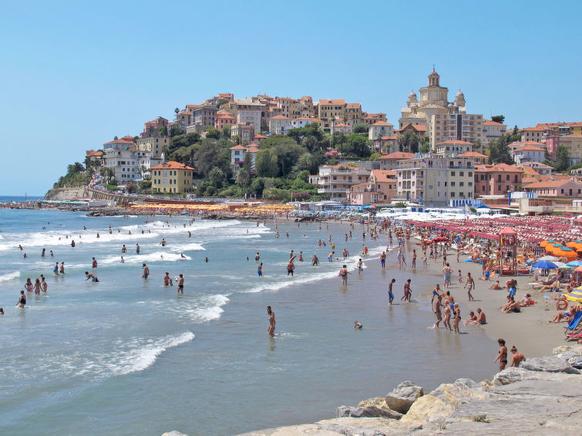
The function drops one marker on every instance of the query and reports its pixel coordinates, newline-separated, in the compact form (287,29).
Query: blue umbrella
(544,264)
(575,263)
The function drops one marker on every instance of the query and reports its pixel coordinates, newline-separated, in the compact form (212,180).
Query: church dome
(460,98)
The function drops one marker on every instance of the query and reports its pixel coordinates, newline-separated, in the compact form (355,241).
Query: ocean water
(127,356)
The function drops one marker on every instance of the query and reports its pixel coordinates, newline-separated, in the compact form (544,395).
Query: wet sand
(529,330)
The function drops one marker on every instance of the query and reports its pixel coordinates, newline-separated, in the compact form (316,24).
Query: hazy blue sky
(74,74)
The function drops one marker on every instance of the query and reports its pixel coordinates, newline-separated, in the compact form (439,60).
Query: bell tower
(433,78)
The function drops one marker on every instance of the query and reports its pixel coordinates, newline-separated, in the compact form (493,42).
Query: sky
(75,74)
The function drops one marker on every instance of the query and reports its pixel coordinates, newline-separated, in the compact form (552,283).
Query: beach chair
(574,322)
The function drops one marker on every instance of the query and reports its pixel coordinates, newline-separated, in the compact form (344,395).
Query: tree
(361,128)
(425,145)
(211,154)
(244,175)
(562,159)
(498,118)
(216,177)
(409,141)
(499,150)
(213,133)
(266,163)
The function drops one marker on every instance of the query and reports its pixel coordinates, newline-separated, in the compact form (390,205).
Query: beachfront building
(435,180)
(171,177)
(244,132)
(444,120)
(279,125)
(392,160)
(528,152)
(334,181)
(568,187)
(498,179)
(380,189)
(492,130)
(380,129)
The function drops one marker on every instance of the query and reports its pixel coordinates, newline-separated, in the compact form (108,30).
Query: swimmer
(146,272)
(21,300)
(358,325)
(181,284)
(62,268)
(391,291)
(91,276)
(260,270)
(56,269)
(343,273)
(168,280)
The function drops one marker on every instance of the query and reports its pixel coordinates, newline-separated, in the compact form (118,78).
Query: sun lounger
(574,322)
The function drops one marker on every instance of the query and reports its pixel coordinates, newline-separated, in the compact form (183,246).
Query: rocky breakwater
(542,397)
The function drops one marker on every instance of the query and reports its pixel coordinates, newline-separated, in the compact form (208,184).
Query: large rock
(403,396)
(549,364)
(372,408)
(509,375)
(443,401)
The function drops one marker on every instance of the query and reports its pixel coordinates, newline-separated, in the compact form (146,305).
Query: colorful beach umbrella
(548,258)
(544,264)
(575,296)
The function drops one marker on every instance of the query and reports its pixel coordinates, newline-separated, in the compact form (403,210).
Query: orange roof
(551,183)
(259,136)
(397,155)
(498,168)
(382,174)
(389,138)
(492,123)
(337,101)
(120,141)
(533,129)
(529,171)
(473,154)
(253,148)
(280,117)
(455,142)
(354,105)
(238,147)
(417,127)
(530,147)
(382,123)
(172,165)
(94,153)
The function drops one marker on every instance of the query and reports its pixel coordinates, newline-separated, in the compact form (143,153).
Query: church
(443,120)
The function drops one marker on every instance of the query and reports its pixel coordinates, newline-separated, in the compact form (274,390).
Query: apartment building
(335,181)
(171,177)
(244,132)
(224,119)
(279,125)
(498,179)
(379,129)
(354,114)
(435,180)
(492,130)
(330,111)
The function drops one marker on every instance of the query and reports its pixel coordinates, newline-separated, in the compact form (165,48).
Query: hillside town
(437,154)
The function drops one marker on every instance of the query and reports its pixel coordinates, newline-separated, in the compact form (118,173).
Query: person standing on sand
(470,285)
(501,354)
(516,357)
(436,308)
(414,259)
(272,321)
(447,272)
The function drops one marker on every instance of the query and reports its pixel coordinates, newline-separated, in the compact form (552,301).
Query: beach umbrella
(575,296)
(544,264)
(574,263)
(548,258)
(561,265)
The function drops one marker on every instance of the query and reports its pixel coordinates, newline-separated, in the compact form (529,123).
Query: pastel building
(335,181)
(379,129)
(171,177)
(529,152)
(568,188)
(279,125)
(224,119)
(498,179)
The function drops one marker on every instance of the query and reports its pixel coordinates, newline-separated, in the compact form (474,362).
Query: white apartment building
(492,131)
(379,129)
(279,125)
(435,180)
(335,181)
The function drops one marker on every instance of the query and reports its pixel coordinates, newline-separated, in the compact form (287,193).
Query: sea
(128,356)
